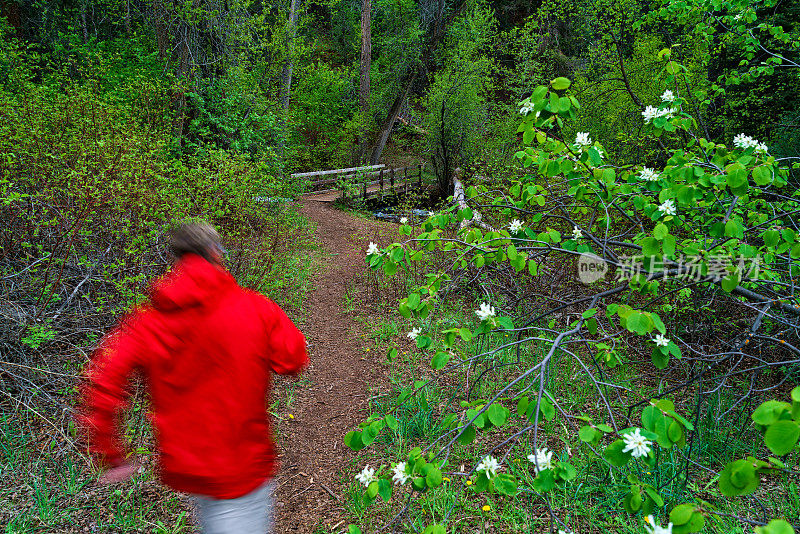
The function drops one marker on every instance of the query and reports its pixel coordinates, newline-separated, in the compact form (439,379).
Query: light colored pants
(248,514)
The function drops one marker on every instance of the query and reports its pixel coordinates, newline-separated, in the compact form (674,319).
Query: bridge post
(380,178)
(365,189)
(391,179)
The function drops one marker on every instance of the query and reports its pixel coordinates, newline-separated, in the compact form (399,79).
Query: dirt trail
(341,372)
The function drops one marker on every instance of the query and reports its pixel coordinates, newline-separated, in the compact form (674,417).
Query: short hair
(194,237)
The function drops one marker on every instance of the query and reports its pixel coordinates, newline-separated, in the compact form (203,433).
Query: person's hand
(120,473)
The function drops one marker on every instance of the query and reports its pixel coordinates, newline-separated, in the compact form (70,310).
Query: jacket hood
(191,282)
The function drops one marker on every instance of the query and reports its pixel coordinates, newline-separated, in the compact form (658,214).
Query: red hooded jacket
(206,348)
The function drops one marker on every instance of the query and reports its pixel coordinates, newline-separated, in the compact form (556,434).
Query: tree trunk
(364,89)
(366,55)
(388,124)
(288,66)
(83,23)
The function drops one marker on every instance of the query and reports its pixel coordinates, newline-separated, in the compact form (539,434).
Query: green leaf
(372,489)
(352,529)
(681,514)
(505,484)
(738,478)
(440,360)
(434,529)
(737,179)
(497,414)
(762,175)
(544,482)
(413,301)
(391,422)
(385,489)
(547,409)
(353,440)
(640,323)
(660,231)
(434,478)
(587,434)
(776,526)
(614,454)
(511,252)
(560,84)
(465,333)
(781,437)
(589,313)
(467,435)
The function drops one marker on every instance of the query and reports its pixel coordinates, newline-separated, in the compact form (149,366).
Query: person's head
(196,237)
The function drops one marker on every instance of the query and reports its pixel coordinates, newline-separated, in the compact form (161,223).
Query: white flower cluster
(744,142)
(668,207)
(543,459)
(373,249)
(583,139)
(414,333)
(652,528)
(488,465)
(668,96)
(367,476)
(661,340)
(526,107)
(485,311)
(400,477)
(515,226)
(651,112)
(636,444)
(648,175)
(403,220)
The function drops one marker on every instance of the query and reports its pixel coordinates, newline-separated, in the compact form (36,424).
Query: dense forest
(590,318)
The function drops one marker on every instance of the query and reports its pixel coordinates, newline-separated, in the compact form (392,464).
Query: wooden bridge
(361,182)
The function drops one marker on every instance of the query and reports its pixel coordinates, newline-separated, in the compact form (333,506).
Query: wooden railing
(371,181)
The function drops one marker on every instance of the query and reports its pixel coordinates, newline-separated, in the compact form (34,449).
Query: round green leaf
(560,84)
(781,437)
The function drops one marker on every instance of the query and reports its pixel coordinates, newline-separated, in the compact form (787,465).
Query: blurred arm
(287,344)
(105,393)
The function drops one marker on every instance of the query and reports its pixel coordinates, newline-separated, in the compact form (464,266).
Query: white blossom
(651,113)
(414,333)
(582,139)
(653,528)
(403,220)
(560,531)
(668,96)
(366,476)
(668,207)
(744,142)
(485,311)
(515,226)
(543,459)
(400,477)
(636,443)
(762,148)
(576,233)
(488,465)
(526,108)
(648,175)
(373,249)
(661,340)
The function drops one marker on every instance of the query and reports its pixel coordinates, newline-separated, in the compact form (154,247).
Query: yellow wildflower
(486,508)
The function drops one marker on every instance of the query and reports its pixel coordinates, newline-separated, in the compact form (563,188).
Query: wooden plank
(338,171)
